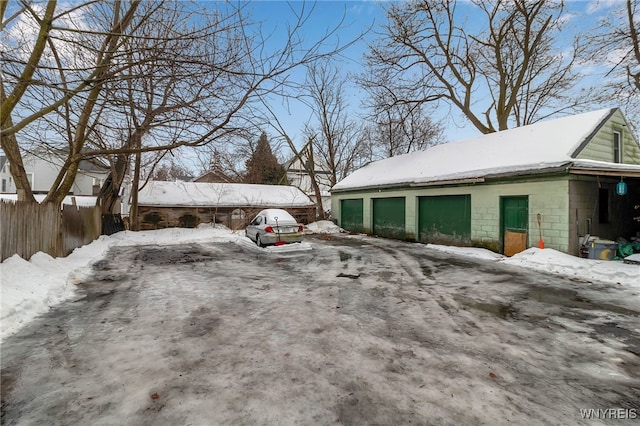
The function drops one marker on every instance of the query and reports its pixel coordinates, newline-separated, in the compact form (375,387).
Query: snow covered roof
(189,194)
(536,147)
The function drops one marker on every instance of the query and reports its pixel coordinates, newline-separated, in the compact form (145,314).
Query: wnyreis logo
(609,413)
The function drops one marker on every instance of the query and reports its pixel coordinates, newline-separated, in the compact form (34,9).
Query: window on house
(4,185)
(30,179)
(617,148)
(603,205)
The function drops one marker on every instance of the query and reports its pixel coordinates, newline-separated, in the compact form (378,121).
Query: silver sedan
(274,226)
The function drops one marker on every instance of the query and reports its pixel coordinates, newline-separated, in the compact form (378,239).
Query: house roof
(205,194)
(213,176)
(543,146)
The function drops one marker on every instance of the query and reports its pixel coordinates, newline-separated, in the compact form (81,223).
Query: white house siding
(600,148)
(42,173)
(547,197)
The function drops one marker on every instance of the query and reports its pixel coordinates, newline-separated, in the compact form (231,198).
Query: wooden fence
(27,228)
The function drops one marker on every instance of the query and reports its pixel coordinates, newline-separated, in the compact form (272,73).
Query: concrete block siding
(548,197)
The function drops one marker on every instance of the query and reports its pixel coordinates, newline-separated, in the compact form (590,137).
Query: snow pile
(30,288)
(553,261)
(205,232)
(323,227)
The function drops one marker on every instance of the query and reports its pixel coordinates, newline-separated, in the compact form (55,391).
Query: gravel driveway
(355,331)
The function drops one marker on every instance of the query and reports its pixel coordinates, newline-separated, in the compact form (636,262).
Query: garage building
(188,204)
(578,175)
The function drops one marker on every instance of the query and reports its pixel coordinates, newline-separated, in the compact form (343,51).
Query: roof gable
(595,131)
(599,146)
(539,146)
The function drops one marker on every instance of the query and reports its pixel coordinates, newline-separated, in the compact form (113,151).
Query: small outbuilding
(557,180)
(188,204)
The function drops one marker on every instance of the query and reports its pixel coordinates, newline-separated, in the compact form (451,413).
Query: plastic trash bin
(602,249)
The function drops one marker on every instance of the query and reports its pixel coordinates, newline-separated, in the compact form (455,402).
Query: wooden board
(514,242)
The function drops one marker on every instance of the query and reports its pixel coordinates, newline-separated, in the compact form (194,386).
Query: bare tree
(504,74)
(333,131)
(615,45)
(397,128)
(32,79)
(631,61)
(146,84)
(170,170)
(172,91)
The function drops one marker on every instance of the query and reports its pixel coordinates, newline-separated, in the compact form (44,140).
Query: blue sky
(361,15)
(353,17)
(356,17)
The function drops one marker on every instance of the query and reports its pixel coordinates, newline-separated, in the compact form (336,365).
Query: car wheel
(258,242)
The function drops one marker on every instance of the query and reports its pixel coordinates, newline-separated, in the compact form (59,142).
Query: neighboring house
(213,176)
(300,178)
(488,191)
(42,167)
(187,204)
(5,175)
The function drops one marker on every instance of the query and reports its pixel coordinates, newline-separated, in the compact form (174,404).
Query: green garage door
(351,215)
(389,217)
(445,219)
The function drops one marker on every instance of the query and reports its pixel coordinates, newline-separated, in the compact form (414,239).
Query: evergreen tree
(263,166)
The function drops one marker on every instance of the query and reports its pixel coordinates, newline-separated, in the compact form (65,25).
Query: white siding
(600,147)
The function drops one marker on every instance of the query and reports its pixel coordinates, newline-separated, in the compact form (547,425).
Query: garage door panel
(351,215)
(389,217)
(445,219)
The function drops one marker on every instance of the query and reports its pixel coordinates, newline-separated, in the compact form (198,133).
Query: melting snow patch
(323,227)
(475,252)
(303,246)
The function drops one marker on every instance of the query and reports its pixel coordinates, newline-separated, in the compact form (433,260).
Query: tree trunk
(314,183)
(16,167)
(133,211)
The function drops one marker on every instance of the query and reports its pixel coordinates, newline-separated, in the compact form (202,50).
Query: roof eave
(555,169)
(604,172)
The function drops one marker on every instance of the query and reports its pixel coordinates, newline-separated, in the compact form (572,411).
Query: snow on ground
(555,262)
(323,227)
(477,253)
(30,288)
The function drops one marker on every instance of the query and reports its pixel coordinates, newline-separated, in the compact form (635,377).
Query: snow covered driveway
(346,330)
